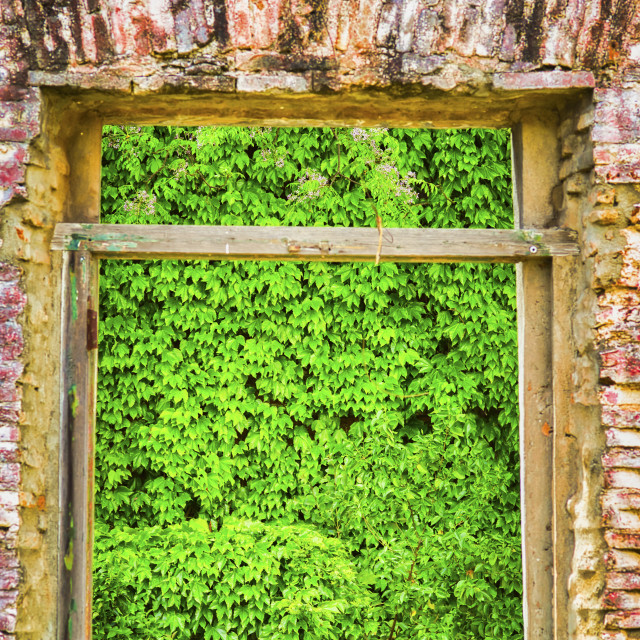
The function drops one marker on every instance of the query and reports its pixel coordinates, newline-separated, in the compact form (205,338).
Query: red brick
(620,416)
(622,458)
(616,153)
(414,64)
(364,20)
(622,478)
(625,581)
(620,509)
(621,600)
(407,24)
(544,80)
(621,499)
(623,620)
(9,517)
(630,273)
(619,540)
(618,313)
(10,371)
(11,340)
(10,412)
(9,578)
(284,82)
(250,26)
(620,332)
(9,272)
(13,93)
(9,433)
(620,174)
(617,560)
(10,392)
(623,438)
(14,134)
(8,559)
(9,538)
(621,364)
(620,395)
(12,168)
(24,114)
(621,520)
(426,31)
(150,42)
(8,601)
(9,498)
(9,476)
(9,452)
(12,301)
(616,119)
(8,614)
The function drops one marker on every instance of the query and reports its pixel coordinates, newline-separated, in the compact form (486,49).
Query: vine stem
(392,633)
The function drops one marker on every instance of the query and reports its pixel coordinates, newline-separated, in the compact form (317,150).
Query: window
(84,244)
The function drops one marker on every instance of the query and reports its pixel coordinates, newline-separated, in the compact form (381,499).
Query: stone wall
(67,64)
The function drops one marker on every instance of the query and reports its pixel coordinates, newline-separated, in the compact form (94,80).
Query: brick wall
(498,50)
(616,136)
(19,123)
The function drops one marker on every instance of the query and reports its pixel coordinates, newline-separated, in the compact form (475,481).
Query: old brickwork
(478,62)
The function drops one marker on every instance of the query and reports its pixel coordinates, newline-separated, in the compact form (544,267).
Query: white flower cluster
(268,154)
(402,185)
(142,203)
(304,191)
(180,171)
(258,132)
(124,132)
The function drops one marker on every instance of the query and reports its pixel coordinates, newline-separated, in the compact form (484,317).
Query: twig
(393,627)
(335,135)
(375,534)
(413,564)
(379,225)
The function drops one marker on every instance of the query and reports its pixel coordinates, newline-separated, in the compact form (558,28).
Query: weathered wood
(334,244)
(535,172)
(80,291)
(65,548)
(569,419)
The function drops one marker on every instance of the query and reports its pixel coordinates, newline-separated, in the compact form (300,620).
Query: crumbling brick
(492,50)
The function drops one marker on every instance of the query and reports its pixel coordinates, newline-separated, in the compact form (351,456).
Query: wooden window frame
(540,252)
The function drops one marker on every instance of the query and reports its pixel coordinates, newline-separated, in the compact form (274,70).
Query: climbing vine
(318,451)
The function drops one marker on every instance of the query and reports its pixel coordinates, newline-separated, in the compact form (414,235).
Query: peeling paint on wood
(336,243)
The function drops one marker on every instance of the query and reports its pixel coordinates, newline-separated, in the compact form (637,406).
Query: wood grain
(80,294)
(534,148)
(329,244)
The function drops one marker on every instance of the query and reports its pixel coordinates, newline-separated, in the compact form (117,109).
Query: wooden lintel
(329,244)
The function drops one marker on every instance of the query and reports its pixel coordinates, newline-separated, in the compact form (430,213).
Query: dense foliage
(317,451)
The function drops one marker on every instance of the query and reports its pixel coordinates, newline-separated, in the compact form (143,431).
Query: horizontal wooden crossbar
(329,244)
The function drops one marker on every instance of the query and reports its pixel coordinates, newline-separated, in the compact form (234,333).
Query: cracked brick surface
(453,47)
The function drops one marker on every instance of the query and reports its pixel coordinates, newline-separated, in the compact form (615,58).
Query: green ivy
(321,451)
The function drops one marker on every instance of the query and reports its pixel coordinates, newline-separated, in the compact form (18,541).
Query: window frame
(538,273)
